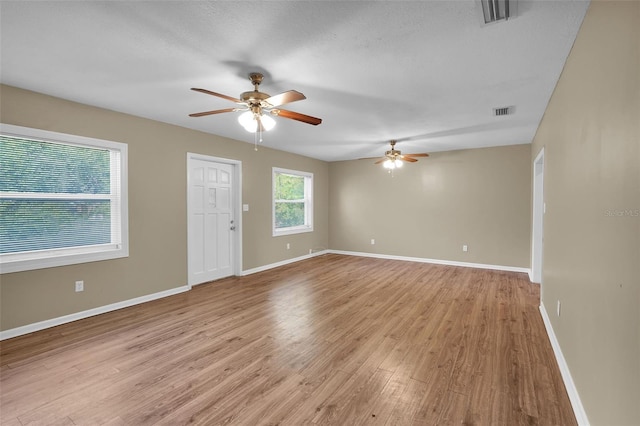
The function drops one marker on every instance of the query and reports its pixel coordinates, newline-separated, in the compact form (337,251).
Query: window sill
(35,260)
(290,231)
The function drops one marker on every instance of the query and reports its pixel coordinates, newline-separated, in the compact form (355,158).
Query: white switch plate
(373,241)
(79,286)
(288,246)
(245,207)
(465,248)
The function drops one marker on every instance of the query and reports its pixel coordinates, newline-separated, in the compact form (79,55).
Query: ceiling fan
(257,106)
(393,158)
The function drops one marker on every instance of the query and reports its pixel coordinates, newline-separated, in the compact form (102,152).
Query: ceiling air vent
(497,10)
(502,111)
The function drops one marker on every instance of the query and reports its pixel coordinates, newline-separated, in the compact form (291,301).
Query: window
(292,202)
(63,199)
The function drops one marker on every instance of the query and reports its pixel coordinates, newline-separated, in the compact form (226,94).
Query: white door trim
(537,219)
(237,204)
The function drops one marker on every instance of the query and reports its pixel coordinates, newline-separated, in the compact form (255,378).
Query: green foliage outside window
(32,223)
(289,200)
(35,166)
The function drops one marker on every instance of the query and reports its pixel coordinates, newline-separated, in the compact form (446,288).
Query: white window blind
(62,199)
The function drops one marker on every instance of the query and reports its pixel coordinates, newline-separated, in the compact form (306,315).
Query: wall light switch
(373,241)
(465,248)
(245,207)
(79,286)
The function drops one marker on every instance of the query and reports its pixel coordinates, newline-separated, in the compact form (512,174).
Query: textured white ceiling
(424,72)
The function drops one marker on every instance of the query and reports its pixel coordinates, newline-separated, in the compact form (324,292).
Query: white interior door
(211,220)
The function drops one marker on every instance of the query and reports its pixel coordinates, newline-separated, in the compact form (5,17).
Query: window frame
(119,245)
(308,202)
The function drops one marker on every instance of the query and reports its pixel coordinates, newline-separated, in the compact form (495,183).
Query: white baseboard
(574,397)
(282,263)
(30,328)
(435,261)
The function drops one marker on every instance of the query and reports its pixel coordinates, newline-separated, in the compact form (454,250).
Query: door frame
(236,194)
(537,219)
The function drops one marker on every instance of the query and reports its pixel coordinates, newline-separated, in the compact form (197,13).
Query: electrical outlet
(465,248)
(288,246)
(558,308)
(79,286)
(373,241)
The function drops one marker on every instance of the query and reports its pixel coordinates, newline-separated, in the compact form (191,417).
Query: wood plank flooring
(330,340)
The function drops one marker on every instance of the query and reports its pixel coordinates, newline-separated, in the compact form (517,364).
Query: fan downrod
(256,79)
(392,153)
(255,97)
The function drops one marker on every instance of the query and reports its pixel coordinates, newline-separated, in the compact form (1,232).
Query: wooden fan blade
(220,95)
(285,98)
(381,160)
(217,111)
(416,155)
(407,159)
(297,116)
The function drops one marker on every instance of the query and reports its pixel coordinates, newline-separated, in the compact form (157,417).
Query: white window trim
(308,191)
(26,261)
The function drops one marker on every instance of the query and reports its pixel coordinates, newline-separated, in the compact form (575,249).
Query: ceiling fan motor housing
(255,97)
(392,153)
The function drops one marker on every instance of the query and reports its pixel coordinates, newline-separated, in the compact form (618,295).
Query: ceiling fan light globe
(248,121)
(398,163)
(267,122)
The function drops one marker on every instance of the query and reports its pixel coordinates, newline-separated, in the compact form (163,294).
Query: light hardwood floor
(330,340)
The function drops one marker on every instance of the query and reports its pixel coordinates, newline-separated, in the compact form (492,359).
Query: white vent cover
(502,111)
(497,10)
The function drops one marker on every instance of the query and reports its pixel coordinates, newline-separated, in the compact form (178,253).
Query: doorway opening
(537,239)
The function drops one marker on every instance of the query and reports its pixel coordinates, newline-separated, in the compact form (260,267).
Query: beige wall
(591,136)
(429,209)
(157,209)
(590,132)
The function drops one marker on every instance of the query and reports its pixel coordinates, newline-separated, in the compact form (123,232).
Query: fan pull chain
(257,136)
